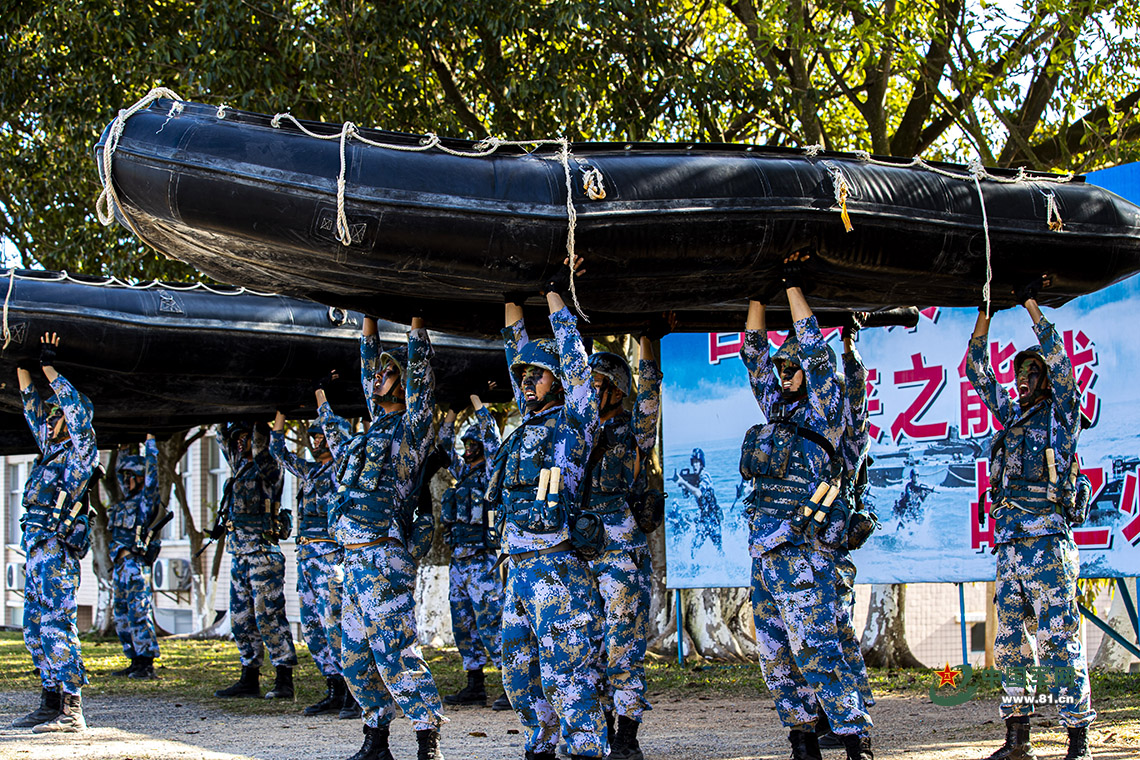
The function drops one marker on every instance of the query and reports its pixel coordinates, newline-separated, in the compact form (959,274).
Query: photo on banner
(931,438)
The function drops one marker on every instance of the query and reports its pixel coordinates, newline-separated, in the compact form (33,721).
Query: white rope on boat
(842,190)
(979,171)
(7,299)
(1052,211)
(115,282)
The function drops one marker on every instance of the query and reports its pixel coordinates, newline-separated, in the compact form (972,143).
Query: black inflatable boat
(696,228)
(165,357)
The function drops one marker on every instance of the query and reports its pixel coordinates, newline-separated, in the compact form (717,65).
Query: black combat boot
(474,693)
(625,746)
(532,755)
(70,718)
(609,728)
(282,684)
(375,745)
(824,736)
(1017,745)
(48,710)
(350,710)
(246,686)
(428,742)
(804,745)
(858,746)
(502,703)
(1078,744)
(124,672)
(334,697)
(144,670)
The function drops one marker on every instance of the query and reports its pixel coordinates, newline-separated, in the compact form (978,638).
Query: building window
(978,637)
(17,474)
(218,472)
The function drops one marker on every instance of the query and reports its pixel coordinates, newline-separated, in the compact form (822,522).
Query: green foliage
(1046,83)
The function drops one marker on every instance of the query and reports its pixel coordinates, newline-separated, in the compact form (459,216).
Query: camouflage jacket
(1019,469)
(574,429)
(65,466)
(629,440)
(383,463)
(252,492)
(316,491)
(821,411)
(471,481)
(136,510)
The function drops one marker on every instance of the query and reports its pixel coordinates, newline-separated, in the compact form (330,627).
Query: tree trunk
(884,638)
(719,620)
(1110,656)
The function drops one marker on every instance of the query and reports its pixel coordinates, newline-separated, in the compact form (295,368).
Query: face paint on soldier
(609,397)
(319,446)
(1030,380)
(388,388)
(472,452)
(57,424)
(243,446)
(538,384)
(791,380)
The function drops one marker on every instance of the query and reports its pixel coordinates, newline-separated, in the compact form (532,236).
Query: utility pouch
(77,536)
(151,553)
(284,525)
(539,515)
(753,461)
(447,506)
(420,537)
(860,526)
(648,510)
(588,535)
(802,516)
(1076,509)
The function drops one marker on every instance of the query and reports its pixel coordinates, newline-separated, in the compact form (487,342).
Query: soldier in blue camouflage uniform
(63,432)
(623,571)
(474,589)
(1033,476)
(320,563)
(129,520)
(709,514)
(552,637)
(792,461)
(377,473)
(251,518)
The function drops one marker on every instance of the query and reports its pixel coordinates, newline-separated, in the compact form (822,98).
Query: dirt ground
(130,728)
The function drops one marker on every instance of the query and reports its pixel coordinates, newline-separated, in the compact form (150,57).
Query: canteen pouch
(1076,509)
(588,535)
(284,525)
(648,510)
(420,537)
(860,526)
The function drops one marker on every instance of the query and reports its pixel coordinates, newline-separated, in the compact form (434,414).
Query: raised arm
(647,406)
(266,463)
(488,429)
(295,464)
(338,432)
(34,412)
(824,393)
(754,354)
(420,397)
(150,478)
(369,362)
(77,413)
(446,437)
(1066,394)
(980,372)
(855,375)
(514,338)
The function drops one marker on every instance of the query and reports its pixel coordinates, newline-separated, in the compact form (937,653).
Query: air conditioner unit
(14,576)
(171,575)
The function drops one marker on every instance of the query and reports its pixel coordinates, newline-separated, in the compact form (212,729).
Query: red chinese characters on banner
(1082,354)
(874,403)
(930,380)
(975,418)
(727,345)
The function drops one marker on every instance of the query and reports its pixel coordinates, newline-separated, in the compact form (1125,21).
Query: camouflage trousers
(845,589)
(796,612)
(319,580)
(476,596)
(552,653)
(51,631)
(131,579)
(382,662)
(1036,598)
(257,609)
(622,578)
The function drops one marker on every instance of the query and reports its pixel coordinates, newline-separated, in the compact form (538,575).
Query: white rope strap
(1052,211)
(7,299)
(592,183)
(979,171)
(842,191)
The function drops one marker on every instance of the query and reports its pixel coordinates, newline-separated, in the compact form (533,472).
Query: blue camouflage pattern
(51,571)
(623,579)
(1023,462)
(475,590)
(1036,593)
(845,572)
(320,559)
(552,637)
(257,608)
(794,606)
(794,576)
(383,664)
(51,631)
(381,661)
(129,517)
(252,490)
(132,607)
(552,654)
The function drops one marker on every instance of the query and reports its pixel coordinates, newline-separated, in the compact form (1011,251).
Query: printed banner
(931,436)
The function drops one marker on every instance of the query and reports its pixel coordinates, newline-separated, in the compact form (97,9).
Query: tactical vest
(514,480)
(611,478)
(463,512)
(1019,468)
(249,501)
(783,479)
(312,519)
(367,493)
(42,489)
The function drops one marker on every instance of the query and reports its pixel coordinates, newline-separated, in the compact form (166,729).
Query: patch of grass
(193,670)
